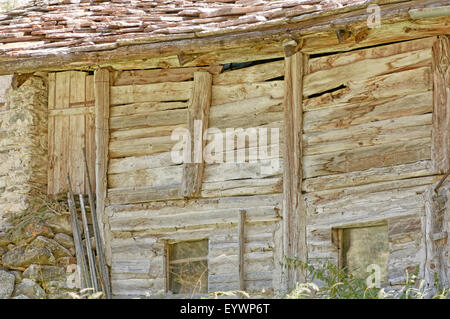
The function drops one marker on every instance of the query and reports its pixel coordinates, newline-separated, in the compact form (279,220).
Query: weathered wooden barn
(358,90)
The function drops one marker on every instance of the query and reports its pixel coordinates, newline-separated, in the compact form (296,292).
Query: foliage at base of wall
(326,280)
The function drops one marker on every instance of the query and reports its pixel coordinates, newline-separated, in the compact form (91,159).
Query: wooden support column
(294,219)
(101,83)
(241,226)
(440,149)
(198,123)
(437,226)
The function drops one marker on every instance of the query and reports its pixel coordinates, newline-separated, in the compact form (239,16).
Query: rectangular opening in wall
(188,267)
(362,247)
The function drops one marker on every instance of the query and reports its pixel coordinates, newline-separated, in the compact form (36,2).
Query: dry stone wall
(23,144)
(36,247)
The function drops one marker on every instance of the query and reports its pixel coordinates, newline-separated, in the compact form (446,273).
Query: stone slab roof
(97,24)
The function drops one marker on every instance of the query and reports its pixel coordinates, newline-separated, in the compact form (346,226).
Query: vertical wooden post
(440,149)
(294,219)
(198,123)
(101,83)
(241,227)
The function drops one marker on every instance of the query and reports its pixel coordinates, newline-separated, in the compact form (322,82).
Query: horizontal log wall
(367,148)
(145,208)
(367,136)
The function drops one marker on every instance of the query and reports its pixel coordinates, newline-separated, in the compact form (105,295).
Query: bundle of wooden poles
(94,273)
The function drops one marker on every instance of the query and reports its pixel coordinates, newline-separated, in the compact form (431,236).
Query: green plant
(335,283)
(325,280)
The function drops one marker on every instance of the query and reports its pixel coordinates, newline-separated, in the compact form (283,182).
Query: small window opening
(188,267)
(365,250)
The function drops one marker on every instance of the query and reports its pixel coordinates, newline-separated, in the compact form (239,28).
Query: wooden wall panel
(368,158)
(70,129)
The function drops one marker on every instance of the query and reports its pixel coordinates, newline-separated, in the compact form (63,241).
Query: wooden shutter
(70,128)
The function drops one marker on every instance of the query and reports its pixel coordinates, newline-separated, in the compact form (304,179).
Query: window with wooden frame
(71,125)
(360,247)
(187,267)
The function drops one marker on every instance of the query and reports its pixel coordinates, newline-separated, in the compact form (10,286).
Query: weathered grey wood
(440,149)
(97,233)
(91,261)
(323,80)
(372,175)
(102,104)
(198,123)
(81,259)
(143,194)
(241,229)
(294,222)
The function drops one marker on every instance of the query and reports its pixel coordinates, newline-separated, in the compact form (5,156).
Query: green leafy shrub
(326,280)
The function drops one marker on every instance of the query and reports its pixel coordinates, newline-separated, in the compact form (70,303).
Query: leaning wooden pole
(87,237)
(98,240)
(81,259)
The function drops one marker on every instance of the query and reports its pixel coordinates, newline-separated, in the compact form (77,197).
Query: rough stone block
(56,249)
(21,257)
(30,289)
(43,273)
(7,281)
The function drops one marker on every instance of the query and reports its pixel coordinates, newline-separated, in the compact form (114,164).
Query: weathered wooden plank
(102,104)
(142,132)
(232,171)
(198,117)
(158,118)
(51,134)
(352,194)
(373,133)
(72,111)
(134,163)
(152,177)
(340,59)
(181,205)
(257,73)
(61,134)
(77,96)
(345,115)
(234,55)
(161,75)
(145,107)
(398,84)
(323,80)
(222,94)
(440,148)
(294,222)
(122,196)
(243,187)
(163,62)
(157,92)
(388,32)
(252,112)
(367,157)
(371,175)
(151,223)
(140,146)
(90,129)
